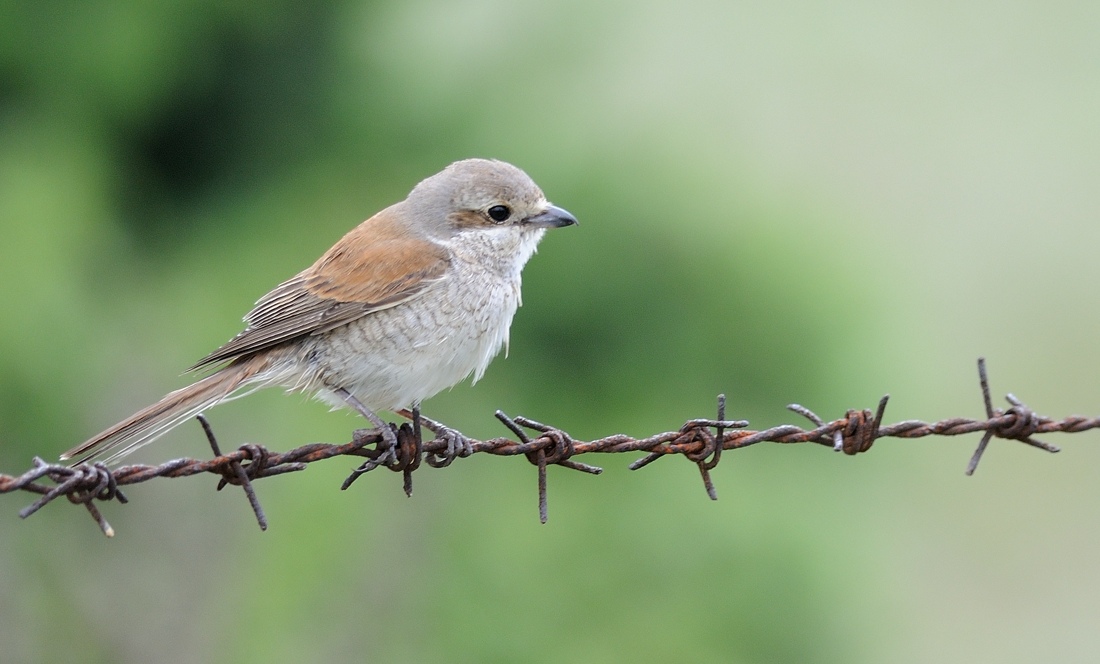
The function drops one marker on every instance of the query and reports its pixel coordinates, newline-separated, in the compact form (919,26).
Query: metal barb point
(983,380)
(719,432)
(990,413)
(538,457)
(98,517)
(541,463)
(513,427)
(712,493)
(707,465)
(977,456)
(645,461)
(384,455)
(1018,423)
(880,412)
(553,447)
(418,442)
(838,437)
(238,471)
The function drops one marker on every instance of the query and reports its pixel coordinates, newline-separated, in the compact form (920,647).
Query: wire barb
(707,458)
(239,474)
(401,449)
(562,449)
(1017,423)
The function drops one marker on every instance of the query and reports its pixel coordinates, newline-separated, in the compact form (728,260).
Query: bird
(408,303)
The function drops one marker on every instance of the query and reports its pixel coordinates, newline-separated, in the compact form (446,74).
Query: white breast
(397,357)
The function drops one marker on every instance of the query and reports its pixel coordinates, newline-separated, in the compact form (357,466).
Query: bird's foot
(387,447)
(458,445)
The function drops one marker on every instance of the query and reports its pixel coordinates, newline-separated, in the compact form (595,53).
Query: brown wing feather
(375,266)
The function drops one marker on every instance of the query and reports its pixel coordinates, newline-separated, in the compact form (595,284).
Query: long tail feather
(151,422)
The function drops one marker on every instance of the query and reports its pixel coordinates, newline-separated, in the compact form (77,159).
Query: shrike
(406,304)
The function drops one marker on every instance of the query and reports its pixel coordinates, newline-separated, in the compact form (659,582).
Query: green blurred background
(782,201)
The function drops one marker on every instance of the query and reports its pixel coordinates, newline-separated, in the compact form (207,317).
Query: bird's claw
(458,445)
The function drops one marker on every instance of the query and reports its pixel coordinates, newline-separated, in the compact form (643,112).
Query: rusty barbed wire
(856,432)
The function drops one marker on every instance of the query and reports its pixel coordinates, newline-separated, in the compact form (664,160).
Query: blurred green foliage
(786,203)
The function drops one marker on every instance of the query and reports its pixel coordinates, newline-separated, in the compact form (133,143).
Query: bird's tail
(150,423)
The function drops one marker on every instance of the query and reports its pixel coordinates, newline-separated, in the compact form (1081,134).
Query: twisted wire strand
(701,441)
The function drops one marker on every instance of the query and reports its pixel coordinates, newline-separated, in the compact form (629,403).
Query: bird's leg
(387,433)
(458,445)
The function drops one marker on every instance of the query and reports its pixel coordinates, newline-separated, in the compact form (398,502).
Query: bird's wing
(374,267)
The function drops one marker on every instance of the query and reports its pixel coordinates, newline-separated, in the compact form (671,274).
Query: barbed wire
(701,441)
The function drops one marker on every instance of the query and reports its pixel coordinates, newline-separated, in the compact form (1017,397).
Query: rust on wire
(237,473)
(701,441)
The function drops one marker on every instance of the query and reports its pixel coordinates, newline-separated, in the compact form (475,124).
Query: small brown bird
(406,304)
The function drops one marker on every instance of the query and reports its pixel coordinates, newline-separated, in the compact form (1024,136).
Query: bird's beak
(552,217)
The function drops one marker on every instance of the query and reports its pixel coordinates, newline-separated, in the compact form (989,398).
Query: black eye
(499,213)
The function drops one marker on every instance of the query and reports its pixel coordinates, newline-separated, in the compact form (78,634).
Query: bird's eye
(499,213)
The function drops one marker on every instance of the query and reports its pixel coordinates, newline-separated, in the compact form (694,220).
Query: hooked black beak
(552,217)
